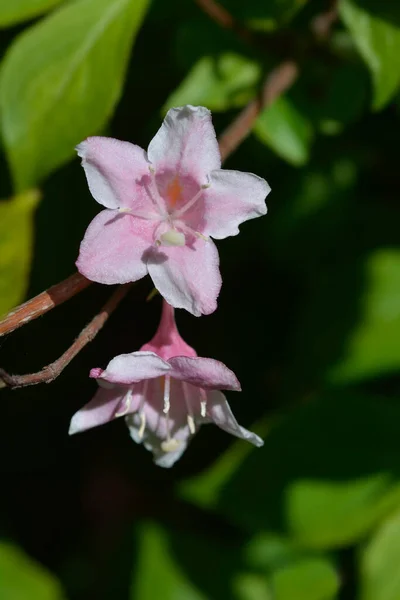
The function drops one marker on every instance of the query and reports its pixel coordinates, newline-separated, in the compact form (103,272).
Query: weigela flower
(162,207)
(165,392)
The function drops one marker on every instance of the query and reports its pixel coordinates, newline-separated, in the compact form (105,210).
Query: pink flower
(165,392)
(162,207)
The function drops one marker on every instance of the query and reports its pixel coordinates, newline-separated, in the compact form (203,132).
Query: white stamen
(191,424)
(170,445)
(148,216)
(155,195)
(190,419)
(167,388)
(142,425)
(172,238)
(105,384)
(193,232)
(125,410)
(203,408)
(191,202)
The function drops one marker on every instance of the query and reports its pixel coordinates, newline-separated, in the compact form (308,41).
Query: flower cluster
(162,207)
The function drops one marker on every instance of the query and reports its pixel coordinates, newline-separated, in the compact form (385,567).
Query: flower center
(170,211)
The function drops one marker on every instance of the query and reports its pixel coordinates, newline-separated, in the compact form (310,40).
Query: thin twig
(278,81)
(222,17)
(55,295)
(49,373)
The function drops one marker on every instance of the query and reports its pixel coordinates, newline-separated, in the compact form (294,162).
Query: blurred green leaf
(60,82)
(374,344)
(380,559)
(16,245)
(264,16)
(326,474)
(293,573)
(220,83)
(157,574)
(22,578)
(15,11)
(284,129)
(378,41)
(309,579)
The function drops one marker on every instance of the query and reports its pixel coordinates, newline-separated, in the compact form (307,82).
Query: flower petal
(113,248)
(112,170)
(134,367)
(186,143)
(232,198)
(187,277)
(220,413)
(204,373)
(99,410)
(157,428)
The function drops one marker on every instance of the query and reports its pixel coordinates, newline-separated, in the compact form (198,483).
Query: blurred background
(308,317)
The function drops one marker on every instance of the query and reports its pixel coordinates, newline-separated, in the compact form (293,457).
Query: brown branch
(222,17)
(49,373)
(55,295)
(278,81)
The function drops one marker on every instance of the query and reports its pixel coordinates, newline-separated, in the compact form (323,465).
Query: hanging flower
(163,207)
(165,392)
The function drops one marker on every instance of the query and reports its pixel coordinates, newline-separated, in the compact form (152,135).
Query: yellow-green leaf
(15,11)
(22,578)
(16,233)
(380,575)
(61,80)
(286,131)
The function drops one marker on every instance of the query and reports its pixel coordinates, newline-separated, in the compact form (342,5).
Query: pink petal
(188,276)
(136,366)
(99,410)
(220,413)
(186,143)
(204,373)
(232,198)
(113,248)
(113,170)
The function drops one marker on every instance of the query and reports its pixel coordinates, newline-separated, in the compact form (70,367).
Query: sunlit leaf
(14,11)
(60,82)
(16,232)
(222,82)
(373,347)
(157,573)
(21,577)
(378,40)
(286,131)
(380,559)
(325,475)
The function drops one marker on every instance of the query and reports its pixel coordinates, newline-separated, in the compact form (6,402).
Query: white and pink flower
(165,392)
(163,207)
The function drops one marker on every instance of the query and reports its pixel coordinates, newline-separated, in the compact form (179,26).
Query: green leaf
(16,233)
(157,574)
(326,474)
(218,82)
(21,577)
(61,80)
(286,131)
(15,11)
(373,347)
(308,579)
(293,573)
(378,41)
(380,575)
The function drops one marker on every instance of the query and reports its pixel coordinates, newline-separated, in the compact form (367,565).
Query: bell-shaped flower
(165,392)
(162,208)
